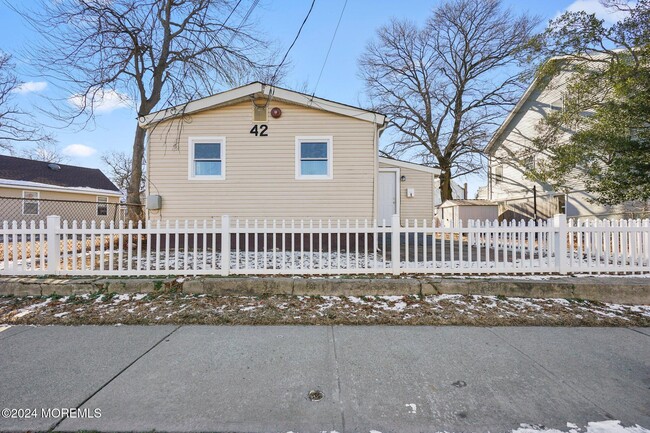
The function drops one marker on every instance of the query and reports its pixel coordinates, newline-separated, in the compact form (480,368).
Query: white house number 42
(259,132)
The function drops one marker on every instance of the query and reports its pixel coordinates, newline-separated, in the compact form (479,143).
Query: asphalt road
(381,378)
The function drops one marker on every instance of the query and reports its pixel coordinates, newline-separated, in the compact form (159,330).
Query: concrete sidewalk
(387,379)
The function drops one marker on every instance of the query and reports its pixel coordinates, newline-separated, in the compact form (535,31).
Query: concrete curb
(628,290)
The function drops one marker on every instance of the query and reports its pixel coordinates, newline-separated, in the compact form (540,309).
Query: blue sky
(279,20)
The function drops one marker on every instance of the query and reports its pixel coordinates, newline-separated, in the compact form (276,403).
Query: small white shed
(453,211)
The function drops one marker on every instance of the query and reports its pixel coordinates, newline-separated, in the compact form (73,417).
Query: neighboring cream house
(260,151)
(511,151)
(31,190)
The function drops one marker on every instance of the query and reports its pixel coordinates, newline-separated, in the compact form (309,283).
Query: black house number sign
(261,131)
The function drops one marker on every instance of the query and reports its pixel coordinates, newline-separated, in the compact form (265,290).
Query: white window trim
(102,202)
(330,157)
(38,203)
(191,141)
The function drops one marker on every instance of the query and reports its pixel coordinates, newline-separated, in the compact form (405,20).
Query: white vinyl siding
(421,205)
(515,142)
(259,171)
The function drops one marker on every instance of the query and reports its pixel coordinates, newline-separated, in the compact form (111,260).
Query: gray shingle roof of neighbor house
(28,172)
(263,90)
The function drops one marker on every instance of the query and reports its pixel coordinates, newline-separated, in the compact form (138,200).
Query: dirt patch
(177,308)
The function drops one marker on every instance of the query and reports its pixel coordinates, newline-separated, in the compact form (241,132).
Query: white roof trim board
(229,96)
(23,184)
(525,98)
(409,165)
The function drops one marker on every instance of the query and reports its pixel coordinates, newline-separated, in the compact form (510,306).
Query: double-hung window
(30,202)
(102,205)
(498,173)
(313,157)
(207,158)
(529,162)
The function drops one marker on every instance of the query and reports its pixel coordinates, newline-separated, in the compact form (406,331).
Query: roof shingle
(69,176)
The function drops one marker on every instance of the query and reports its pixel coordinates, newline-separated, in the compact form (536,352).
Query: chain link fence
(37,209)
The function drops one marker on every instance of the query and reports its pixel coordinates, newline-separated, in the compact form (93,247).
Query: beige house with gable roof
(260,151)
(30,190)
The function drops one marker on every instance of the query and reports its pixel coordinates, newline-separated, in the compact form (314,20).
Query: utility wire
(227,19)
(290,47)
(243,21)
(330,48)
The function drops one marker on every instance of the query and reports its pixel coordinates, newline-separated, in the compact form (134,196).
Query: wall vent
(259,111)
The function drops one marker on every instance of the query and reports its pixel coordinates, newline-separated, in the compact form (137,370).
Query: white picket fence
(257,247)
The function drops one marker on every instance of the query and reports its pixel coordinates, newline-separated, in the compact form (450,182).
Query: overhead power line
(243,21)
(227,18)
(330,48)
(290,47)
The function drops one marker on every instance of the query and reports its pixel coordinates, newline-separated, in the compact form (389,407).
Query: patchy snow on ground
(609,426)
(178,308)
(31,309)
(362,261)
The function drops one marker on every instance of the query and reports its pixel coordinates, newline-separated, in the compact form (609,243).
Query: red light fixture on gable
(276,112)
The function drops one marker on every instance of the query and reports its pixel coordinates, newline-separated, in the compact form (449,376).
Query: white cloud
(30,86)
(79,150)
(595,7)
(102,101)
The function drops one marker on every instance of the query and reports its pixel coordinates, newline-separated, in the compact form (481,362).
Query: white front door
(387,196)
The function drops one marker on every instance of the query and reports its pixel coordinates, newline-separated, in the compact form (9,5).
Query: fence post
(225,245)
(395,244)
(560,241)
(53,243)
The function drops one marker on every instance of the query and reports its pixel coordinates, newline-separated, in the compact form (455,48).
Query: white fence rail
(257,247)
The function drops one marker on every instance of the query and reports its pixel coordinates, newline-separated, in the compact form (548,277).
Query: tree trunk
(445,183)
(136,212)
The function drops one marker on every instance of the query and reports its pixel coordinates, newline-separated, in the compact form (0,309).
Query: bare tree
(49,151)
(16,125)
(119,169)
(445,86)
(154,53)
